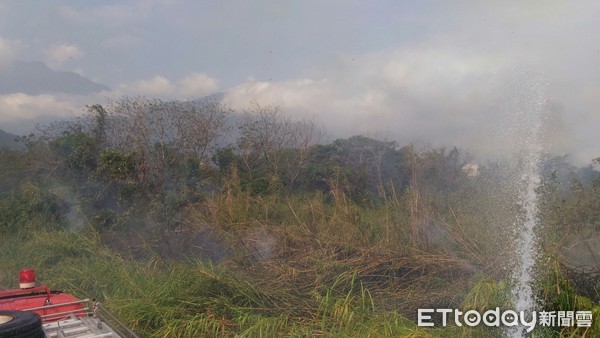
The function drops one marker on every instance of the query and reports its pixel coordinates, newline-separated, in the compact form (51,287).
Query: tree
(273,145)
(100,122)
(160,132)
(199,125)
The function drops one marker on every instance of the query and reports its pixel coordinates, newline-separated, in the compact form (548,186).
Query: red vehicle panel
(50,305)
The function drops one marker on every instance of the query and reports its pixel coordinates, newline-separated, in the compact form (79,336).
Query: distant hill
(35,78)
(7,140)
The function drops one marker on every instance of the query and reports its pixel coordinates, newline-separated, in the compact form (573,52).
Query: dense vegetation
(188,219)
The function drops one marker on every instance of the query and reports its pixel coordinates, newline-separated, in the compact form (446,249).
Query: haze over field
(412,71)
(308,168)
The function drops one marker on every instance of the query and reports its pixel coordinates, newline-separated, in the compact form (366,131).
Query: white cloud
(158,86)
(193,86)
(58,54)
(20,112)
(433,94)
(416,93)
(300,94)
(197,84)
(22,107)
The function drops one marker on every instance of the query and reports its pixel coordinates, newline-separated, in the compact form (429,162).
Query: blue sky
(414,71)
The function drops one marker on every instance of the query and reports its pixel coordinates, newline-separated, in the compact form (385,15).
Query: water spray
(526,134)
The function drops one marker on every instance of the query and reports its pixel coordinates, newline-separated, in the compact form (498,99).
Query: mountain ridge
(7,140)
(36,78)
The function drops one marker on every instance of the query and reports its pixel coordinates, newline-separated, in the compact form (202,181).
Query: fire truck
(36,311)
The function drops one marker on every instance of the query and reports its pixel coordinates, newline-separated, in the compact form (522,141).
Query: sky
(435,72)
